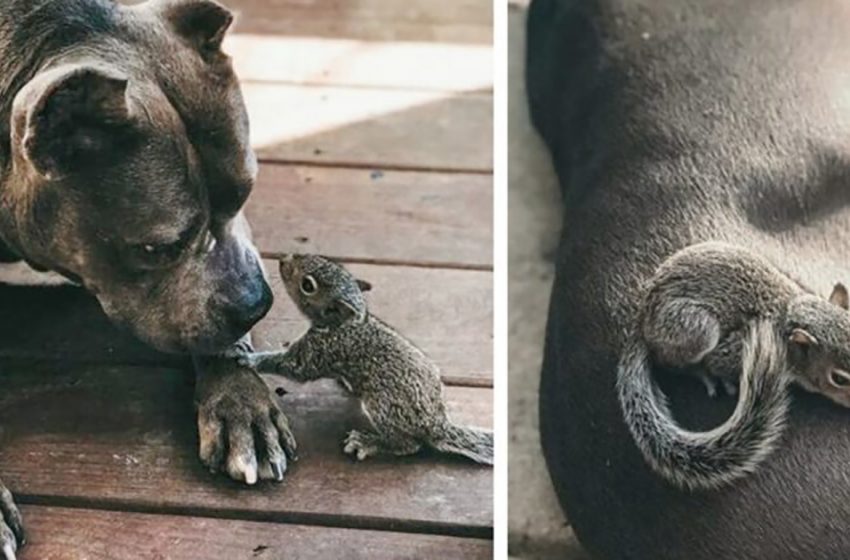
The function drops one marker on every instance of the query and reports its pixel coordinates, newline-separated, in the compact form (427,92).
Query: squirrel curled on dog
(398,386)
(718,311)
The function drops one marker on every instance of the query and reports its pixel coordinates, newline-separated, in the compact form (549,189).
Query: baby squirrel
(398,385)
(719,311)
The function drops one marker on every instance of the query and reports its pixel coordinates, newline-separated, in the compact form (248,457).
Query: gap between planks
(275,255)
(377,165)
(484,92)
(91,534)
(471,381)
(339,521)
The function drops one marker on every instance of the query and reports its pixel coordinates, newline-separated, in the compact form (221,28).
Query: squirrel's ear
(363,285)
(802,337)
(340,310)
(839,296)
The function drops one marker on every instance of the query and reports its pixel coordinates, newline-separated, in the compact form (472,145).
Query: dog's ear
(839,296)
(203,22)
(66,116)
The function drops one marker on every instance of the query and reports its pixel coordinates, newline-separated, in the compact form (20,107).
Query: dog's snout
(251,306)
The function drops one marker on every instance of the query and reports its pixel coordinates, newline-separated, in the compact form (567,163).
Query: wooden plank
(452,21)
(371,127)
(390,216)
(452,324)
(65,323)
(447,313)
(124,438)
(80,534)
(352,62)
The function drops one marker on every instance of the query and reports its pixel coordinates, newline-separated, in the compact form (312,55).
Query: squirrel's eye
(309,285)
(839,378)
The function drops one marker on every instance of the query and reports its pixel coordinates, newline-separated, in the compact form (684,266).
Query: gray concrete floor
(537,527)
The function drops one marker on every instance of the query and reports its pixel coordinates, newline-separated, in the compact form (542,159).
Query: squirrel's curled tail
(473,443)
(703,460)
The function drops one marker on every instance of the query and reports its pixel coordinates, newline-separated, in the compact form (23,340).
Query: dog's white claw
(241,469)
(251,475)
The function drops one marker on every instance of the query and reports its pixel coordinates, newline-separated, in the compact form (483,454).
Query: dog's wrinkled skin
(124,163)
(672,123)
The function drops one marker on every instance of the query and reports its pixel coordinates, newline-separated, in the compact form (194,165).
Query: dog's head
(130,164)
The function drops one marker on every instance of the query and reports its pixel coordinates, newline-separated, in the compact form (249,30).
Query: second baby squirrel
(398,386)
(719,311)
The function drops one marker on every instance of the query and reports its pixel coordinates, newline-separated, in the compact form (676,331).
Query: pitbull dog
(672,123)
(124,163)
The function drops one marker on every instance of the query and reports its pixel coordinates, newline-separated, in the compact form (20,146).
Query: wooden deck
(372,119)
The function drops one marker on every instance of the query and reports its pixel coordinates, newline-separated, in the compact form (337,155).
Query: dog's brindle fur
(124,163)
(672,123)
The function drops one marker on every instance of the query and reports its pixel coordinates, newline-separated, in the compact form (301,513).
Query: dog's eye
(156,249)
(153,254)
(157,254)
(309,285)
(839,378)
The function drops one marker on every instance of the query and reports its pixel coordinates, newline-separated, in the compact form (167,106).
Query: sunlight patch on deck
(347,62)
(283,113)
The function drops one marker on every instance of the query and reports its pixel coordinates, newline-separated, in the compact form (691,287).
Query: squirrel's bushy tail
(473,443)
(702,460)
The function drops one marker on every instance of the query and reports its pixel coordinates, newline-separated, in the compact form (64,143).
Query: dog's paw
(12,535)
(242,429)
(360,445)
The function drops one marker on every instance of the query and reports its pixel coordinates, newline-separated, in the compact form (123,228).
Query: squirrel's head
(819,343)
(324,291)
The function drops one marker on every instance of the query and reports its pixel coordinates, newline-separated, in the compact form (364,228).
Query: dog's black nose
(250,307)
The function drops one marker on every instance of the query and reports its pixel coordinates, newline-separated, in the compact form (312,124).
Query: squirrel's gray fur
(719,311)
(398,385)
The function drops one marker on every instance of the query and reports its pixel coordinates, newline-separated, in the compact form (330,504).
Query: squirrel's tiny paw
(247,361)
(730,386)
(359,445)
(717,386)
